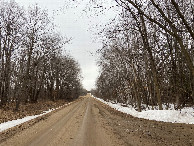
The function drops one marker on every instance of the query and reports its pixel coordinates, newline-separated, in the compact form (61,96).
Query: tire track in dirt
(47,135)
(89,122)
(137,131)
(75,125)
(44,132)
(90,132)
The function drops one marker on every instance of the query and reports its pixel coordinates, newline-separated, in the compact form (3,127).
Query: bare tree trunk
(27,78)
(152,62)
(57,82)
(172,33)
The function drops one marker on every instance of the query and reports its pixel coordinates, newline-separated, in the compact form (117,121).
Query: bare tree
(147,54)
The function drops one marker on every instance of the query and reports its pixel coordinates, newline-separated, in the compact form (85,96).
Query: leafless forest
(146,65)
(148,54)
(33,62)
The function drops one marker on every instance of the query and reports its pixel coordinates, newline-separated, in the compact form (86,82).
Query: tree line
(33,62)
(148,54)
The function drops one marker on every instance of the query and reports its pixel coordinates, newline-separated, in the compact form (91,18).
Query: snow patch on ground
(10,124)
(186,115)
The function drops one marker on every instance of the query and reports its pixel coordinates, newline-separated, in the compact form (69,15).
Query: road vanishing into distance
(88,122)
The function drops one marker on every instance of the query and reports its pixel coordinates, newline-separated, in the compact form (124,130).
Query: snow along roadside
(186,115)
(13,123)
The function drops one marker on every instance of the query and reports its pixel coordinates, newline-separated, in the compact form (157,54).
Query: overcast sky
(75,23)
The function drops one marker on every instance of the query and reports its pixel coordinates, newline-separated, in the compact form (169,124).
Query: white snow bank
(10,124)
(186,115)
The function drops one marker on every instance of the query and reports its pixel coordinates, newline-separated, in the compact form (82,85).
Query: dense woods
(33,62)
(148,54)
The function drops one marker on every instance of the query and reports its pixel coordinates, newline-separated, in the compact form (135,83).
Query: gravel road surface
(89,122)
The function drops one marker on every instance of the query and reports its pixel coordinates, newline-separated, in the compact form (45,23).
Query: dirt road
(88,122)
(78,124)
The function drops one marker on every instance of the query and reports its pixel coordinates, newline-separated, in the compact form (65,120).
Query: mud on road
(78,124)
(89,122)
